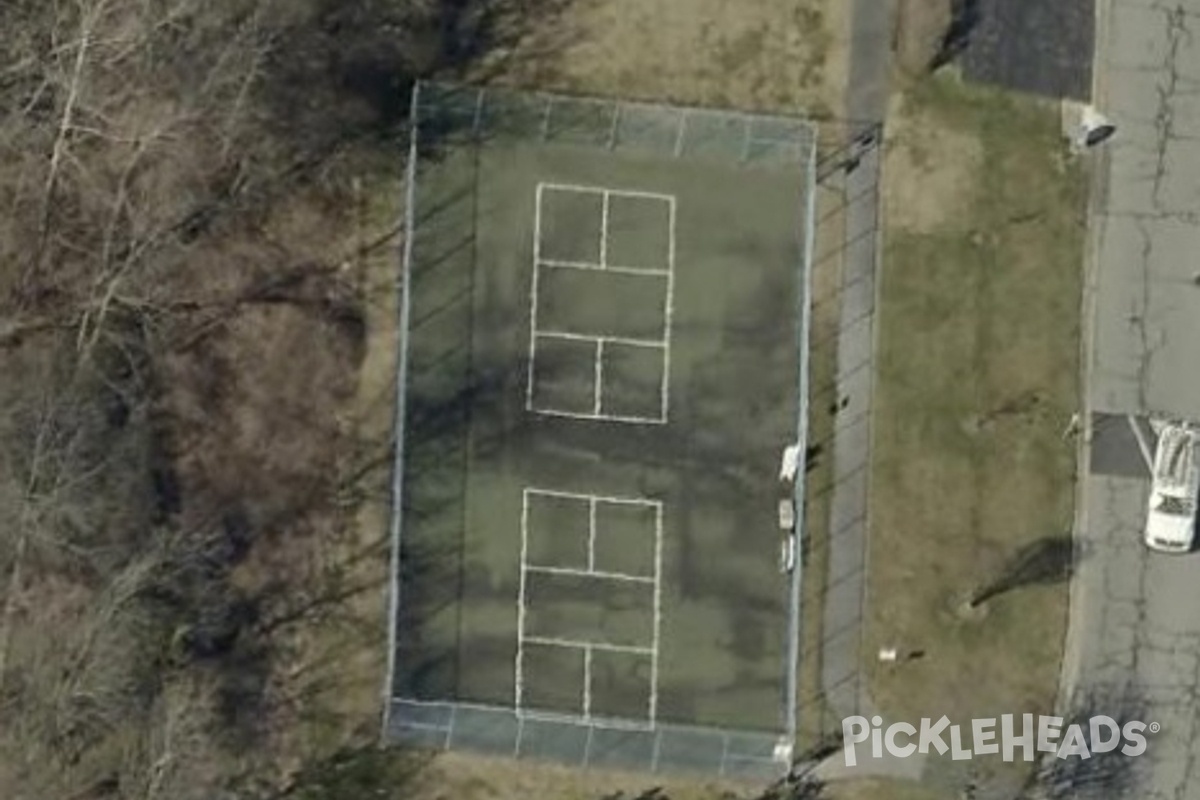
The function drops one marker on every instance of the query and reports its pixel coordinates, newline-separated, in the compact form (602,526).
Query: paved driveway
(1135,627)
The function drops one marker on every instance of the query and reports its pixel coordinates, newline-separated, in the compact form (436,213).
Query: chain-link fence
(448,111)
(452,116)
(570,740)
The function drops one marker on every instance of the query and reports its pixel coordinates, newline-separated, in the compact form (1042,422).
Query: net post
(450,726)
(746,138)
(478,119)
(546,117)
(679,134)
(616,121)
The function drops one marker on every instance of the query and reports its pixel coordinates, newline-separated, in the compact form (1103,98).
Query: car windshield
(1175,506)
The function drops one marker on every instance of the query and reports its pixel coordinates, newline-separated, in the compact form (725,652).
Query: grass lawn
(977,379)
(878,789)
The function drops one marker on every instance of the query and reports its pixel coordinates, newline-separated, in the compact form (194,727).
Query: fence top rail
(615,124)
(433,93)
(466,726)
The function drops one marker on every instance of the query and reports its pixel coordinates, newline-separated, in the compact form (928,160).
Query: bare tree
(174,176)
(1110,775)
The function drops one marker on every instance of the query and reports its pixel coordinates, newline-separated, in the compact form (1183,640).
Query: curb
(1071,660)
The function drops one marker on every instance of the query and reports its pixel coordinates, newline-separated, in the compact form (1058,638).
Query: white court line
(658,537)
(573,188)
(587,682)
(589,573)
(598,378)
(587,337)
(592,529)
(643,195)
(669,311)
(589,647)
(551,641)
(519,691)
(604,229)
(604,498)
(551,412)
(598,367)
(583,189)
(562,262)
(589,266)
(533,295)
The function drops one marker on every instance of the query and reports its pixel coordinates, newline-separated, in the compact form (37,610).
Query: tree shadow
(1051,559)
(1104,775)
(354,772)
(966,16)
(349,69)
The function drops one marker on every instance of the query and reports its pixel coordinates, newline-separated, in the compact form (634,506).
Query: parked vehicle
(1171,512)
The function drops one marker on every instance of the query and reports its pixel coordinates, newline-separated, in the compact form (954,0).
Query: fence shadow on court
(837,458)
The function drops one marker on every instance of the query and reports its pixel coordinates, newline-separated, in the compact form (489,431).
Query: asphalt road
(1032,46)
(1134,639)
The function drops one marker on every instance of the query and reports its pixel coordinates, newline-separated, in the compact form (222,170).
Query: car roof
(1175,466)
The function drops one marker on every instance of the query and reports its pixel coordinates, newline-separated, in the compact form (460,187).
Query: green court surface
(603,368)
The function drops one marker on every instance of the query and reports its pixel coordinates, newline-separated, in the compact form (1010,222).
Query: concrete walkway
(844,611)
(865,100)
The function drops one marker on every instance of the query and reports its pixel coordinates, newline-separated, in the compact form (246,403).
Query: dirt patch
(931,167)
(465,777)
(893,790)
(920,26)
(776,55)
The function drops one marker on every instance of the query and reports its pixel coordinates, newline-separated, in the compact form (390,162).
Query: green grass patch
(977,379)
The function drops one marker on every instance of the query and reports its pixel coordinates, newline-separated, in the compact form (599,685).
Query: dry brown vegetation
(196,259)
(920,28)
(773,55)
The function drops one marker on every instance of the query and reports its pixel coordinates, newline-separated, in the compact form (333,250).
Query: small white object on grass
(787,514)
(888,653)
(787,553)
(790,462)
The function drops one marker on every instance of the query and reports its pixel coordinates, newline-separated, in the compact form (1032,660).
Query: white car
(1171,512)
